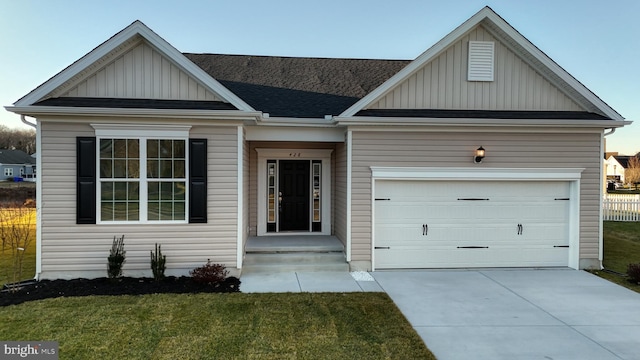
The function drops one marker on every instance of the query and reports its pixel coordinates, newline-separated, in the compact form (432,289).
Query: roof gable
(134,63)
(486,24)
(442,83)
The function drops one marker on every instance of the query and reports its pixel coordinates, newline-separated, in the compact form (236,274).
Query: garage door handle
(520,229)
(425,229)
(382,247)
(473,247)
(473,199)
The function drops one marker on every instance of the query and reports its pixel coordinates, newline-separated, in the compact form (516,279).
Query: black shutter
(197,180)
(86,180)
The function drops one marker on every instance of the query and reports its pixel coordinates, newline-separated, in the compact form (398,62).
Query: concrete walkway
(495,314)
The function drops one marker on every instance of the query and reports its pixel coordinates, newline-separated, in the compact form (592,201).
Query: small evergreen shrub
(158,262)
(116,258)
(633,270)
(209,273)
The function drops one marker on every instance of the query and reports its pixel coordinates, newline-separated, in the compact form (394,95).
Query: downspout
(602,176)
(38,197)
(24,120)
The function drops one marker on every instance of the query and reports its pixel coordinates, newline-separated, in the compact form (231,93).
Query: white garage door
(438,224)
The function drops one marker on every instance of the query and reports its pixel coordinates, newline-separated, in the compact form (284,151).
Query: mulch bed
(46,289)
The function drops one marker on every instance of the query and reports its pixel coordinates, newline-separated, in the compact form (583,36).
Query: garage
(457,224)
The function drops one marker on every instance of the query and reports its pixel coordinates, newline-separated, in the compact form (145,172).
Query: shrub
(116,258)
(209,273)
(158,262)
(633,270)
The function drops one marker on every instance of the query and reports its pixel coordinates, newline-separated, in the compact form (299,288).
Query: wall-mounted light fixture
(479,155)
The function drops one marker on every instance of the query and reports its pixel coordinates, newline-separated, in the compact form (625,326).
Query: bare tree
(632,173)
(17,231)
(18,139)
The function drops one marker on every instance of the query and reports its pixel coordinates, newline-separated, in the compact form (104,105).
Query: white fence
(621,207)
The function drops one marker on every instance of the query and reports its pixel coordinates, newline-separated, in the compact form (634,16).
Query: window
(142,179)
(8,171)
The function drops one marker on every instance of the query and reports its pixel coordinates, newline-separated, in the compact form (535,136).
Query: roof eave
(478,122)
(36,111)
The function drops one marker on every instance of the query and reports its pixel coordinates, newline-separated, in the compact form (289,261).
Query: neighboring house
(617,166)
(199,152)
(16,164)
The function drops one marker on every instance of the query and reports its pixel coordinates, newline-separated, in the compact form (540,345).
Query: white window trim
(141,133)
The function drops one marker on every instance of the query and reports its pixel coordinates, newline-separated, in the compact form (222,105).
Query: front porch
(290,253)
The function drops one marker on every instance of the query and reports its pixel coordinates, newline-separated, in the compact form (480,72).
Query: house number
(295,155)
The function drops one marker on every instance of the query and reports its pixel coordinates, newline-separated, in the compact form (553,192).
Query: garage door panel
(514,224)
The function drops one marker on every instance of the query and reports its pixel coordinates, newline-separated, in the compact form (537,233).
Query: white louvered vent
(480,61)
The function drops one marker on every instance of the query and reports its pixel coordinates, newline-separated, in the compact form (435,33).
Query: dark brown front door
(294,189)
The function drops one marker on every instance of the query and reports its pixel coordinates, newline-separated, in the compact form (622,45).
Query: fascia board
(296,122)
(134,112)
(136,28)
(387,121)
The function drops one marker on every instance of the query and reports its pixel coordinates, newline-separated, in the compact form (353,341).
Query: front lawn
(621,248)
(218,326)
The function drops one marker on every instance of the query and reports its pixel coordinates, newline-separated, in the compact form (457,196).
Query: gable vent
(480,61)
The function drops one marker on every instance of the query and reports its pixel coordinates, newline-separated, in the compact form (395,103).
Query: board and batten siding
(141,73)
(455,149)
(70,250)
(442,83)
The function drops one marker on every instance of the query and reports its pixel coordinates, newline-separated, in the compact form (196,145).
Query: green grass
(29,261)
(621,248)
(218,326)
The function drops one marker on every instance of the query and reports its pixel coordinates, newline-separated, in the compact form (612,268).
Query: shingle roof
(297,87)
(135,103)
(15,157)
(624,159)
(482,114)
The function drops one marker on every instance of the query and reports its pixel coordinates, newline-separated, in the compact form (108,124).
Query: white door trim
(265,154)
(571,175)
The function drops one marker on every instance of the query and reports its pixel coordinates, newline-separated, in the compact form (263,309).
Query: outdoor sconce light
(479,155)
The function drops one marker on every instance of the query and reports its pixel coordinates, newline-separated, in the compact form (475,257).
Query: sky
(596,41)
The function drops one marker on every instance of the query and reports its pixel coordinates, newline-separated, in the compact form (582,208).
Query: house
(445,161)
(16,164)
(617,166)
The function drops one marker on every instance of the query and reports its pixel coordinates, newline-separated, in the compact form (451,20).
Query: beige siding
(340,193)
(504,150)
(142,73)
(67,247)
(442,84)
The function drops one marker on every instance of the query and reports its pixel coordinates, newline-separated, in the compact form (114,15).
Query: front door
(294,193)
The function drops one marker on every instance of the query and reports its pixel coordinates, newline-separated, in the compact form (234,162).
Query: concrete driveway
(517,314)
